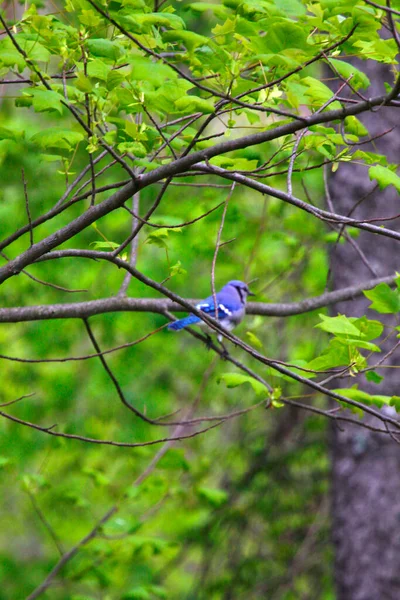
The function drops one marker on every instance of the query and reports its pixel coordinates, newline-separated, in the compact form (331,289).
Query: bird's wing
(208,307)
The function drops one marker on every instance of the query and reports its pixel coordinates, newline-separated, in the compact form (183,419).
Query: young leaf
(98,69)
(104,48)
(159,236)
(369,328)
(340,325)
(144,22)
(384,299)
(354,125)
(395,402)
(233,380)
(360,396)
(57,137)
(190,39)
(358,78)
(104,245)
(253,339)
(177,269)
(373,376)
(214,496)
(337,354)
(384,176)
(191,104)
(45,100)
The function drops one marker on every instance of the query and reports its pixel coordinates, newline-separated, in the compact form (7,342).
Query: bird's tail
(190,320)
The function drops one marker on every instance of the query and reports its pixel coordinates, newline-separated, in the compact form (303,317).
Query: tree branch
(319,213)
(180,165)
(80,310)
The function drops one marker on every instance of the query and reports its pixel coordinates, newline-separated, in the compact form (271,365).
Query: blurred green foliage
(241,510)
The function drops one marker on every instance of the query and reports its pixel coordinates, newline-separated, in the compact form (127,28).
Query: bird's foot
(224,354)
(208,341)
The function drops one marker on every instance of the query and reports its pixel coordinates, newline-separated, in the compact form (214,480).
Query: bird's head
(241,288)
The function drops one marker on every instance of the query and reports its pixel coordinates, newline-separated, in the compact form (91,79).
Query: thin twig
(217,246)
(28,212)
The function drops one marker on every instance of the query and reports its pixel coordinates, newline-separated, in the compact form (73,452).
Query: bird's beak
(251,293)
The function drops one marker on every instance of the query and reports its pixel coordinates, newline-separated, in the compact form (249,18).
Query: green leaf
(384,176)
(253,339)
(357,343)
(104,48)
(33,48)
(354,125)
(10,57)
(160,236)
(98,69)
(213,496)
(143,22)
(384,299)
(234,164)
(177,269)
(137,593)
(4,462)
(276,396)
(34,482)
(135,148)
(370,400)
(373,376)
(233,380)
(340,325)
(200,7)
(395,402)
(57,137)
(317,90)
(152,546)
(369,158)
(369,328)
(44,100)
(174,459)
(158,591)
(83,83)
(154,73)
(190,39)
(337,354)
(98,476)
(291,8)
(283,34)
(189,104)
(104,245)
(90,18)
(11,134)
(378,49)
(346,70)
(114,79)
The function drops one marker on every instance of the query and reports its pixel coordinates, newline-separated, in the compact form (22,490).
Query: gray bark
(365,465)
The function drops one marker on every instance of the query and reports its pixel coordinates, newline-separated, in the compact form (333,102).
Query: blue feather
(209,309)
(205,307)
(177,325)
(230,310)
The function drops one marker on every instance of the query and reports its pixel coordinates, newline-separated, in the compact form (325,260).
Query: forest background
(149,153)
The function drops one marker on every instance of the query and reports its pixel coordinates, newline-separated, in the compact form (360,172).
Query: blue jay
(231,307)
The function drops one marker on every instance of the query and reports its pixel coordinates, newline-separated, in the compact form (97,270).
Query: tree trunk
(366,465)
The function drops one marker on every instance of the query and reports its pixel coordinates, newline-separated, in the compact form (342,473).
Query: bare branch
(384,8)
(180,165)
(217,327)
(81,310)
(217,247)
(324,215)
(28,212)
(82,438)
(70,554)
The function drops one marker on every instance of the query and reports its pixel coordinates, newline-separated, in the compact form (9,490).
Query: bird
(231,302)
